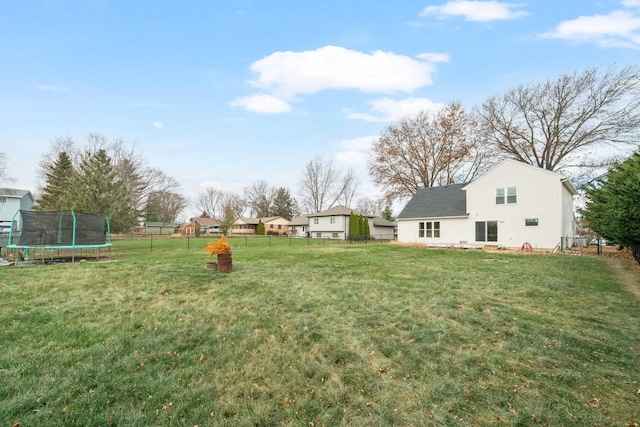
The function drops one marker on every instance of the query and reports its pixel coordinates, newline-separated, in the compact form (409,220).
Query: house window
(531,222)
(270,225)
(334,235)
(433,229)
(318,235)
(332,220)
(279,226)
(486,231)
(315,220)
(429,229)
(3,200)
(511,194)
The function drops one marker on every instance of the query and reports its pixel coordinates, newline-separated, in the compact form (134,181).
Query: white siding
(453,231)
(324,226)
(539,196)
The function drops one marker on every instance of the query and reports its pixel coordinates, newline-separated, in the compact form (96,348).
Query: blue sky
(223,94)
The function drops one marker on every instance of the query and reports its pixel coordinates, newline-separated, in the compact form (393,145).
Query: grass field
(319,334)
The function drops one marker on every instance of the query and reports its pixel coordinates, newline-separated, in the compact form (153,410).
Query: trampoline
(62,230)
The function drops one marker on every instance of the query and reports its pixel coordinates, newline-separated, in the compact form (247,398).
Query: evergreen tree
(387,214)
(283,204)
(260,230)
(353,226)
(365,227)
(360,231)
(613,208)
(58,193)
(99,191)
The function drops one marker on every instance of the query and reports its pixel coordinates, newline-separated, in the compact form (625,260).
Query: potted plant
(222,249)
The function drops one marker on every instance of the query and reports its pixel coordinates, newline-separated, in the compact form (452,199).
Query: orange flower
(221,246)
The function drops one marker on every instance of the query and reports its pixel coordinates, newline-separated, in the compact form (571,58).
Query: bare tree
(323,185)
(555,125)
(210,201)
(3,168)
(259,198)
(347,189)
(232,205)
(371,207)
(427,150)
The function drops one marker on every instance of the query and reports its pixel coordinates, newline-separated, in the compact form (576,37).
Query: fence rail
(198,243)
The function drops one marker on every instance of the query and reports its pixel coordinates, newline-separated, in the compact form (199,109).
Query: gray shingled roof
(10,192)
(300,220)
(334,211)
(381,222)
(436,202)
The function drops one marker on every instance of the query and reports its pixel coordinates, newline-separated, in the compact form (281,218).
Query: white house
(299,226)
(11,201)
(513,205)
(333,223)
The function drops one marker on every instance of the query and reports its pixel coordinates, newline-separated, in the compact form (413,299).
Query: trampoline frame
(72,246)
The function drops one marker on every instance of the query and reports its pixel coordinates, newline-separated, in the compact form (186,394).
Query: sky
(224,94)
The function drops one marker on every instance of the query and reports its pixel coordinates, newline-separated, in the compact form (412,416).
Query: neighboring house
(159,228)
(299,226)
(334,224)
(187,229)
(11,201)
(272,225)
(513,205)
(207,225)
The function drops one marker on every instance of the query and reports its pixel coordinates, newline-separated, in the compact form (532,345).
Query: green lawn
(319,333)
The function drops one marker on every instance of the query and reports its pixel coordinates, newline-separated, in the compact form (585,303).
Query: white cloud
(355,151)
(389,110)
(618,28)
(158,125)
(52,88)
(352,157)
(481,11)
(288,74)
(360,143)
(262,103)
(631,3)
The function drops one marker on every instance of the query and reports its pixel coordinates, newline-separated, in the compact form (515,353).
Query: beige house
(272,225)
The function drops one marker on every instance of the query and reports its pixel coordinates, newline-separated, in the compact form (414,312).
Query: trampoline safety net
(58,228)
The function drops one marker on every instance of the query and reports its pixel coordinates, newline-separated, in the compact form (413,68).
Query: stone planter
(225,263)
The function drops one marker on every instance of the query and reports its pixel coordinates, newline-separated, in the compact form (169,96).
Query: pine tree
(58,193)
(387,214)
(283,204)
(101,192)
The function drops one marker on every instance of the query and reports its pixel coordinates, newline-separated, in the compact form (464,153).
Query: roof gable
(526,168)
